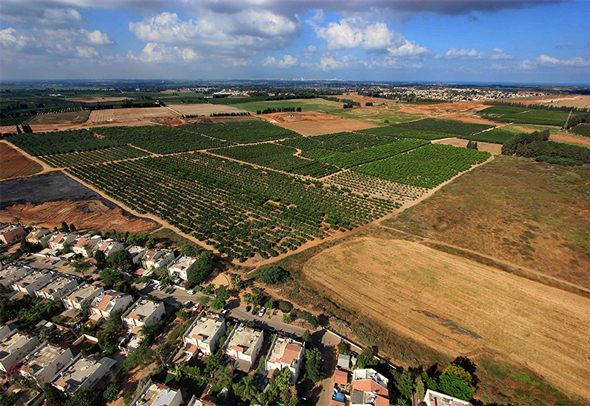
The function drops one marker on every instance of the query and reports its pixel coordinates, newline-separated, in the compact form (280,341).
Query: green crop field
(402,132)
(242,132)
(61,142)
(581,129)
(524,115)
(305,104)
(445,126)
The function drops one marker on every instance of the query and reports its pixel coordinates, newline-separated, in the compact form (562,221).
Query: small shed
(343,361)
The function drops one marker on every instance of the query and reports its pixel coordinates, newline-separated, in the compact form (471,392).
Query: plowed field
(13,164)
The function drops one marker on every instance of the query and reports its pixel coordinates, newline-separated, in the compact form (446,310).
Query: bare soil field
(527,213)
(73,117)
(570,139)
(202,109)
(495,149)
(13,164)
(95,99)
(84,214)
(459,307)
(131,114)
(308,124)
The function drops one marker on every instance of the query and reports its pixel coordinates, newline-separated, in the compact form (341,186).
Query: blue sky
(509,41)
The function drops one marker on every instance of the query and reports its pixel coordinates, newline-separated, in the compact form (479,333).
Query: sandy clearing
(309,124)
(13,164)
(574,139)
(495,149)
(523,322)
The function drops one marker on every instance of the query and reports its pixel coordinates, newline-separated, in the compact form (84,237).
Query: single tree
(306,336)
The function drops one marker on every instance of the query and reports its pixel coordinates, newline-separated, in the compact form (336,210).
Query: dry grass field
(308,124)
(111,115)
(527,213)
(204,109)
(480,311)
(495,149)
(73,117)
(13,164)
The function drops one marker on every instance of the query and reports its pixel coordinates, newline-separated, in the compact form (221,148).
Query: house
(109,246)
(14,347)
(204,334)
(33,282)
(181,266)
(433,398)
(156,394)
(81,294)
(39,236)
(12,273)
(58,287)
(143,313)
(109,302)
(11,234)
(343,361)
(136,253)
(369,388)
(285,353)
(45,361)
(243,345)
(83,372)
(6,330)
(156,258)
(86,245)
(61,240)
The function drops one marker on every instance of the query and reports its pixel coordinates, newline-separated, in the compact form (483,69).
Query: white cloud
(84,51)
(288,61)
(409,48)
(497,53)
(154,52)
(41,16)
(455,53)
(308,51)
(11,39)
(552,62)
(99,38)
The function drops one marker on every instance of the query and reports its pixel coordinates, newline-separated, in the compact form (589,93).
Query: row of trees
(536,145)
(270,110)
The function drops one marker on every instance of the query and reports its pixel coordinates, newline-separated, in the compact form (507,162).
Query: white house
(45,361)
(157,394)
(61,240)
(204,334)
(433,398)
(157,258)
(136,253)
(243,345)
(82,293)
(83,372)
(369,388)
(12,273)
(109,302)
(14,347)
(33,282)
(285,353)
(181,266)
(58,287)
(109,246)
(86,245)
(143,313)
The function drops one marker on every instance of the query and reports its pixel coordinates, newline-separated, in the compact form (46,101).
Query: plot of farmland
(241,132)
(305,104)
(522,322)
(316,123)
(205,109)
(138,113)
(525,115)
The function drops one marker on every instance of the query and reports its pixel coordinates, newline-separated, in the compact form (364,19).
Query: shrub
(272,274)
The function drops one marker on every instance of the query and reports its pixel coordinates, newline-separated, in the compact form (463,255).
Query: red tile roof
(369,386)
(341,377)
(291,353)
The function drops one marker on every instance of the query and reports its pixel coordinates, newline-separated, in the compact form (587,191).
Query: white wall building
(143,313)
(33,282)
(136,252)
(204,334)
(109,302)
(45,361)
(109,246)
(285,353)
(86,245)
(60,240)
(432,398)
(14,347)
(156,394)
(83,373)
(157,258)
(82,293)
(12,273)
(243,345)
(58,287)
(181,266)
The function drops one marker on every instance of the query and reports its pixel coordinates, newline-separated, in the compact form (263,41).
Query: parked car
(224,312)
(191,292)
(55,261)
(200,308)
(188,303)
(261,312)
(254,311)
(26,254)
(145,285)
(248,308)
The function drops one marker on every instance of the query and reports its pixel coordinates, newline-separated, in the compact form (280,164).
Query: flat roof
(156,395)
(76,373)
(83,292)
(244,338)
(142,309)
(31,278)
(284,350)
(40,358)
(205,327)
(57,283)
(11,343)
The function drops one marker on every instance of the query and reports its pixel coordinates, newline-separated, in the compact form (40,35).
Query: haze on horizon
(510,41)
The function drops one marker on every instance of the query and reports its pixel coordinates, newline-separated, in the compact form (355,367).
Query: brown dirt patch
(571,139)
(204,109)
(85,215)
(527,213)
(495,149)
(522,322)
(122,115)
(309,124)
(13,164)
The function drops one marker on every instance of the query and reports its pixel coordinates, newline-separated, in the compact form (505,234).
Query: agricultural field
(494,149)
(136,113)
(92,157)
(72,117)
(241,132)
(278,157)
(159,139)
(305,104)
(204,109)
(61,142)
(456,306)
(14,164)
(373,186)
(242,211)
(314,123)
(446,126)
(524,115)
(425,167)
(581,129)
(531,214)
(402,132)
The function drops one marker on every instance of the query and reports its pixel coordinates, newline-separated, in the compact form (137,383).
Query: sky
(487,41)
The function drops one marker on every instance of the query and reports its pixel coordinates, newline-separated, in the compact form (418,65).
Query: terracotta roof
(82,242)
(291,353)
(190,348)
(381,401)
(238,348)
(341,377)
(104,302)
(104,245)
(369,386)
(61,383)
